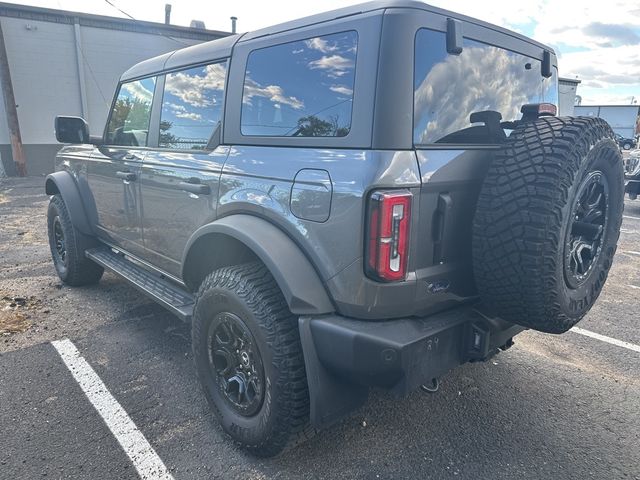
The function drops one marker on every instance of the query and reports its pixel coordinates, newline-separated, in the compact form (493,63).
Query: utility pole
(11,111)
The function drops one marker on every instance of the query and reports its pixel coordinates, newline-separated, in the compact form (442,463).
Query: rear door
(114,169)
(180,177)
(493,76)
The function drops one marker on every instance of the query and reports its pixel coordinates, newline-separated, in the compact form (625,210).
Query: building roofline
(569,80)
(593,106)
(102,21)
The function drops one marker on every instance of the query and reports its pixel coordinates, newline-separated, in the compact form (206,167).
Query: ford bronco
(363,198)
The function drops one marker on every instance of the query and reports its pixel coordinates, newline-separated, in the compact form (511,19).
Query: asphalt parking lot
(550,407)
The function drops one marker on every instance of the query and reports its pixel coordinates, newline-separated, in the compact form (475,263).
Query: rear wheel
(249,359)
(548,221)
(627,146)
(68,245)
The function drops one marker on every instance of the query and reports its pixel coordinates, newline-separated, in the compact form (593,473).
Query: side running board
(165,292)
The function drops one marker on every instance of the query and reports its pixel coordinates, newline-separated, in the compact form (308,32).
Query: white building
(67,63)
(567,95)
(622,118)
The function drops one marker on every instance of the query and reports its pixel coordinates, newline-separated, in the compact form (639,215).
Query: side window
(448,88)
(129,120)
(192,107)
(302,88)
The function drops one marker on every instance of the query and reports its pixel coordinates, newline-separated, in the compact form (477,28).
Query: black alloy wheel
(589,222)
(236,362)
(59,241)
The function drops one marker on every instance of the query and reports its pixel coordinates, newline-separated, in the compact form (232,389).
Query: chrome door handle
(197,188)
(128,176)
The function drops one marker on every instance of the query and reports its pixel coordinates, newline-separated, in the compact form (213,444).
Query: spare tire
(547,222)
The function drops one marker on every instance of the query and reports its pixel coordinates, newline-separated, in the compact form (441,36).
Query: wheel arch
(64,184)
(242,238)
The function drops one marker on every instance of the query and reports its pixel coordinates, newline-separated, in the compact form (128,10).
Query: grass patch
(15,314)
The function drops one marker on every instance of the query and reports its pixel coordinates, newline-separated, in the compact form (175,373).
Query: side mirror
(72,130)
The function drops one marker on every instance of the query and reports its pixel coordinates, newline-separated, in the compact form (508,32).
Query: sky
(596,41)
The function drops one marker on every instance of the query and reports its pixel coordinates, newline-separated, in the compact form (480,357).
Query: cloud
(198,90)
(274,93)
(605,67)
(341,89)
(612,34)
(175,107)
(138,91)
(446,104)
(189,115)
(321,45)
(335,65)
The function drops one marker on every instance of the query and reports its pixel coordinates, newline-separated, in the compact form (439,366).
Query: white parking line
(631,217)
(631,252)
(144,457)
(604,338)
(634,286)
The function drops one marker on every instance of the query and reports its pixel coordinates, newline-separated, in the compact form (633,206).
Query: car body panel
(171,213)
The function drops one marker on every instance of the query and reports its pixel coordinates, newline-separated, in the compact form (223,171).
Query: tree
(130,114)
(167,139)
(312,126)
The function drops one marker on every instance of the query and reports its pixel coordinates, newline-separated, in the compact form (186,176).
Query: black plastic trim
(63,182)
(298,280)
(344,356)
(454,36)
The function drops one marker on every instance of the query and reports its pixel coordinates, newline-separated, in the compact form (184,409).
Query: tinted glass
(192,106)
(302,88)
(448,88)
(129,121)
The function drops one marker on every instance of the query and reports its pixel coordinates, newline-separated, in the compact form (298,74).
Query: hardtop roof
(222,47)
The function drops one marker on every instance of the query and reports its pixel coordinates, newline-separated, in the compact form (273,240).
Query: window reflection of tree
(129,118)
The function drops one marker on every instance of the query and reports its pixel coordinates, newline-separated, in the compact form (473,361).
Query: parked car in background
(632,175)
(626,143)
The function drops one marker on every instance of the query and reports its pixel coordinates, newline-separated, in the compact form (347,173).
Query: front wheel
(68,245)
(627,146)
(249,359)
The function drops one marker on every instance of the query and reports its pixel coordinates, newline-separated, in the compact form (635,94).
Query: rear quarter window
(301,89)
(448,88)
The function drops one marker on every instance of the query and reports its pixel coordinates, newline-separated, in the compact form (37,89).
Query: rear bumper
(345,357)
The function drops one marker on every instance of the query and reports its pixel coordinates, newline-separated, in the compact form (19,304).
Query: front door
(114,169)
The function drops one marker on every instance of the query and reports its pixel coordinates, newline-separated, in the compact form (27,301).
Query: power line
(119,9)
(133,18)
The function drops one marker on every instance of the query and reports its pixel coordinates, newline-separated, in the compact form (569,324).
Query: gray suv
(363,198)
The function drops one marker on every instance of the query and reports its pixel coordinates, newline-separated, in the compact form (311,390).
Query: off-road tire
(249,292)
(75,269)
(523,217)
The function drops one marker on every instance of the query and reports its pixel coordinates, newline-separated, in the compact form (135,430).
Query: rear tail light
(389,216)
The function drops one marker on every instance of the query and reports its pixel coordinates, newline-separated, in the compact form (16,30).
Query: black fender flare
(298,280)
(63,183)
